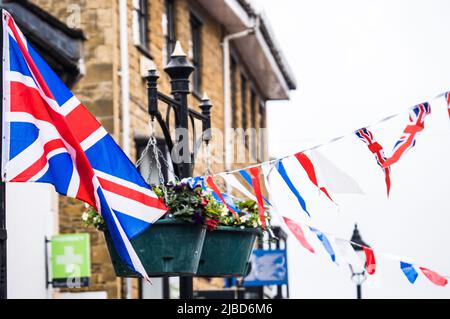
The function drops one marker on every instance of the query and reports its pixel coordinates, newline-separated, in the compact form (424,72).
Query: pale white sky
(357,61)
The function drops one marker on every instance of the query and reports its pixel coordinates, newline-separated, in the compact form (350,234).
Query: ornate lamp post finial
(178,50)
(205,106)
(152,88)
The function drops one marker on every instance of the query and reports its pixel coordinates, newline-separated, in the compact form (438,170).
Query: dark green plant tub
(226,252)
(168,248)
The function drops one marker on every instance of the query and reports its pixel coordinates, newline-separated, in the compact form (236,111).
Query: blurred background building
(83,41)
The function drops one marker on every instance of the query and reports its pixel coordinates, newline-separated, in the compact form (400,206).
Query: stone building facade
(258,73)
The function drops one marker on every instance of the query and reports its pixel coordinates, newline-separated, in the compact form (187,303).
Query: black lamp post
(179,70)
(358,275)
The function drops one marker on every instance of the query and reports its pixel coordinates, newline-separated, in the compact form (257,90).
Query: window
(244,101)
(233,93)
(170,28)
(140,24)
(196,27)
(254,142)
(253,108)
(244,107)
(262,124)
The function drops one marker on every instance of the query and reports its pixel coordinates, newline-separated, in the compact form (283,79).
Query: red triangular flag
(434,277)
(254,172)
(210,182)
(371,264)
(298,233)
(308,166)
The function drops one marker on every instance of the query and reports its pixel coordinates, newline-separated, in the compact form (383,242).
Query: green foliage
(195,205)
(91,217)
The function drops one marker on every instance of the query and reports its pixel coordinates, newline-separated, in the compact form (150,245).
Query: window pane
(244,101)
(143,23)
(170,36)
(233,93)
(196,52)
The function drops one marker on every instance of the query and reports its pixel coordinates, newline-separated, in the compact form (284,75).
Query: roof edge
(50,19)
(269,37)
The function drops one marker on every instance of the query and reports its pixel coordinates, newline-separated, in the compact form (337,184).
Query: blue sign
(269,267)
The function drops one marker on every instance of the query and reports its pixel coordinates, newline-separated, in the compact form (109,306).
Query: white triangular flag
(332,177)
(275,213)
(234,182)
(349,255)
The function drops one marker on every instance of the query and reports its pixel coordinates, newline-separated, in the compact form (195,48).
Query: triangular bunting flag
(298,233)
(434,277)
(349,255)
(210,182)
(370,260)
(367,137)
(249,180)
(280,168)
(325,243)
(254,171)
(337,181)
(308,166)
(233,182)
(409,271)
(407,141)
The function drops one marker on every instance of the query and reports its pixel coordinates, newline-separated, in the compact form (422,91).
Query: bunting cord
(271,166)
(378,253)
(271,162)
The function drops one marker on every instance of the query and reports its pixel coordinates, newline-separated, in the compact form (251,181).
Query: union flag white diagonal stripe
(31,83)
(96,136)
(133,208)
(69,106)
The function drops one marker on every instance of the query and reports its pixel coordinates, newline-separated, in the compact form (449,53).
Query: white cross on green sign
(71,260)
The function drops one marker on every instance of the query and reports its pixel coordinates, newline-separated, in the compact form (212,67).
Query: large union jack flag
(50,137)
(367,137)
(417,116)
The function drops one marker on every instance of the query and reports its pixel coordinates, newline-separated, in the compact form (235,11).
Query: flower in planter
(197,206)
(91,217)
(198,218)
(211,224)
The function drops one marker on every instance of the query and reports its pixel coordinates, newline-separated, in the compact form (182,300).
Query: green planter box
(226,252)
(168,248)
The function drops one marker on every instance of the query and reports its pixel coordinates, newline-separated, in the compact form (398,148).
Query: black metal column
(3,234)
(179,69)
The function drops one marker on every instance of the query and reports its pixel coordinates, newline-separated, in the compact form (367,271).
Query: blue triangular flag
(325,242)
(280,168)
(409,271)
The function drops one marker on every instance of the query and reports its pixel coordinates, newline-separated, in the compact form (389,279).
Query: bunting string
(446,95)
(339,182)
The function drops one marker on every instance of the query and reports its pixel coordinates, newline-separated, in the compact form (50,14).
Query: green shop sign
(71,260)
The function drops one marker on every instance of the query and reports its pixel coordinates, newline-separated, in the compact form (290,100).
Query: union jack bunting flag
(50,137)
(417,116)
(367,137)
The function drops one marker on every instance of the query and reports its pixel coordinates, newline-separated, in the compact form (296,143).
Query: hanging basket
(169,247)
(226,252)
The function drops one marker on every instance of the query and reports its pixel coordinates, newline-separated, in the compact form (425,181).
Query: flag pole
(3,234)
